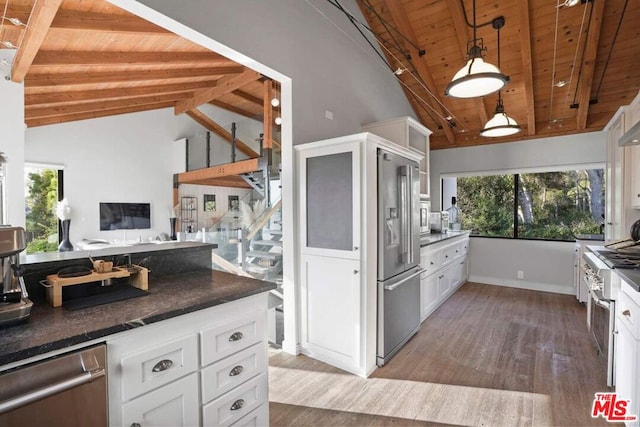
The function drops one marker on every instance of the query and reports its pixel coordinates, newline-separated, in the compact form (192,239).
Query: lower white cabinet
(176,404)
(203,368)
(627,350)
(446,269)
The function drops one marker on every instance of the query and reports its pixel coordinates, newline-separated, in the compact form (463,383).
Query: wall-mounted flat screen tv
(118,216)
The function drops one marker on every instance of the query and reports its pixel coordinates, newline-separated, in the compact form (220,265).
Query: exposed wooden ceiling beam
(224,86)
(95,114)
(234,109)
(214,127)
(39,22)
(248,97)
(72,108)
(462,35)
(92,21)
(404,26)
(55,97)
(219,171)
(96,77)
(86,58)
(589,64)
(527,65)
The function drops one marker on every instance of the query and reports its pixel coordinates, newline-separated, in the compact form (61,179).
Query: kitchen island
(193,351)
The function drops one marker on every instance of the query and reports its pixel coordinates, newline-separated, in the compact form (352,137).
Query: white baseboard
(523,284)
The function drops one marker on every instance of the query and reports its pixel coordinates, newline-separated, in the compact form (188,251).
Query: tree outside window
(40,202)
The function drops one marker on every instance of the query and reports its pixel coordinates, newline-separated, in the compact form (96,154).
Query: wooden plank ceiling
(87,58)
(530,55)
(82,59)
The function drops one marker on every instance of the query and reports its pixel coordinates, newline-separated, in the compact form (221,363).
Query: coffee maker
(14,302)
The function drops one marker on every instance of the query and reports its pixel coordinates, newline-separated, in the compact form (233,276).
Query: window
(42,192)
(547,205)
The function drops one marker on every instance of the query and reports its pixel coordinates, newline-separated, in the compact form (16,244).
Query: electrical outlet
(328,114)
(520,274)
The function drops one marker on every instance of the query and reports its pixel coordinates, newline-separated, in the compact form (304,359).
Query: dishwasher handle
(49,390)
(406,279)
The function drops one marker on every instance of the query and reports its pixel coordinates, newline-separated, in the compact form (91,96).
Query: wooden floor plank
(490,355)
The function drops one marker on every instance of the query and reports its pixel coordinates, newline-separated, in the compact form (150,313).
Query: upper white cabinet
(632,115)
(408,133)
(615,173)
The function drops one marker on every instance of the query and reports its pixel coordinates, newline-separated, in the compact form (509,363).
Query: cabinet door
(176,404)
(429,295)
(634,152)
(614,181)
(331,309)
(626,367)
(445,280)
(329,194)
(419,141)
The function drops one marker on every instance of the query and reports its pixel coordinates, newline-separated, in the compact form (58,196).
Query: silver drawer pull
(162,365)
(238,404)
(236,336)
(236,371)
(626,313)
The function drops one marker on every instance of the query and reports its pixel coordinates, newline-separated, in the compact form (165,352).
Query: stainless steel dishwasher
(66,390)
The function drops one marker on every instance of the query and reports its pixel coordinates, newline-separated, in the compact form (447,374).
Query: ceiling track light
(501,124)
(15,21)
(8,44)
(477,78)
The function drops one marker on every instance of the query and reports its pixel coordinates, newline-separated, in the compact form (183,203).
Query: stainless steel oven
(67,390)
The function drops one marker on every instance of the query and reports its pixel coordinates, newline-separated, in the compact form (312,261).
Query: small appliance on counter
(15,305)
(444,221)
(425,215)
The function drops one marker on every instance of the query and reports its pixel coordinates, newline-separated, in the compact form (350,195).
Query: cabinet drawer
(158,366)
(464,247)
(628,313)
(449,253)
(256,418)
(232,406)
(430,261)
(176,404)
(227,339)
(226,374)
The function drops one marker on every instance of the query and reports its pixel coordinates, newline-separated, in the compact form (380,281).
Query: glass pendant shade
(500,125)
(477,78)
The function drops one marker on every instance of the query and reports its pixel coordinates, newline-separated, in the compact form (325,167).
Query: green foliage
(554,205)
(41,220)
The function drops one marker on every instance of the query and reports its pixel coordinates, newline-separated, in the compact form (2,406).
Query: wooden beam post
(39,22)
(268,116)
(527,65)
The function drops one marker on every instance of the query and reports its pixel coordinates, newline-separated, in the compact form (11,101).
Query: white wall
(12,125)
(547,266)
(298,38)
(124,158)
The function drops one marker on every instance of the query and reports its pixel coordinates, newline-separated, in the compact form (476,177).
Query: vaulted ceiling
(570,68)
(83,59)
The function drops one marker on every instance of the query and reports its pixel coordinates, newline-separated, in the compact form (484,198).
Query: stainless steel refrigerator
(398,253)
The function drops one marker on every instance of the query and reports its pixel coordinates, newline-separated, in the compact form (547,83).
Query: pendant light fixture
(500,124)
(477,78)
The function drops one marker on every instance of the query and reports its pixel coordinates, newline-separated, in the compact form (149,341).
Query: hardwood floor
(488,356)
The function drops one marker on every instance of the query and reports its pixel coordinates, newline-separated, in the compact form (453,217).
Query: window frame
(516,174)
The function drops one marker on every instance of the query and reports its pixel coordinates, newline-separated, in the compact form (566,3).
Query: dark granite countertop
(431,238)
(631,276)
(49,329)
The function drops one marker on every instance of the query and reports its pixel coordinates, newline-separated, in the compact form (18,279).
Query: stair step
(268,242)
(276,232)
(265,255)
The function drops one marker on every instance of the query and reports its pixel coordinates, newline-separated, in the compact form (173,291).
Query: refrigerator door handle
(406,279)
(409,209)
(404,214)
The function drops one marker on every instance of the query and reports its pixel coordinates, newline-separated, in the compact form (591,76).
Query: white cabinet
(337,232)
(632,115)
(408,133)
(446,269)
(203,368)
(627,349)
(615,182)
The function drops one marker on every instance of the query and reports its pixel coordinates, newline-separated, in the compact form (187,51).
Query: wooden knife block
(139,279)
